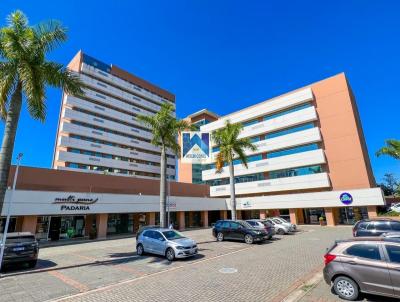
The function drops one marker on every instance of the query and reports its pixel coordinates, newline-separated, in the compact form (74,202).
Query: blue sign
(195,147)
(346,198)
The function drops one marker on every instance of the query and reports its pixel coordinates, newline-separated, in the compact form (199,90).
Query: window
(395,225)
(234,225)
(225,224)
(295,172)
(249,123)
(147,234)
(294,150)
(368,251)
(394,253)
(290,110)
(158,236)
(382,226)
(289,130)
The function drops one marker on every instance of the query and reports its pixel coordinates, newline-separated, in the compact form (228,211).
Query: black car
(238,230)
(375,227)
(20,248)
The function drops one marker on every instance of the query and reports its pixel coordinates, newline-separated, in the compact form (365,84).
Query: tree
(392,149)
(390,185)
(231,147)
(165,129)
(25,73)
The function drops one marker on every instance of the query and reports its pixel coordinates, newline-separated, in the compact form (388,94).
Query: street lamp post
(3,242)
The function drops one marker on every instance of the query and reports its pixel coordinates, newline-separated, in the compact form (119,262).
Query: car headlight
(257,232)
(180,247)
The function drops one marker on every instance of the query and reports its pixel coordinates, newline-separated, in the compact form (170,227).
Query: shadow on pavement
(23,267)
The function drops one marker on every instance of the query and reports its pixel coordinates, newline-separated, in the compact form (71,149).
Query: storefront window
(120,224)
(11,226)
(311,216)
(72,227)
(42,227)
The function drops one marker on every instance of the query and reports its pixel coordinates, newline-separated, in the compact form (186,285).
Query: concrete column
(372,212)
(151,218)
(101,225)
(204,218)
(18,226)
(330,215)
(29,224)
(263,214)
(181,220)
(89,223)
(296,216)
(238,214)
(223,214)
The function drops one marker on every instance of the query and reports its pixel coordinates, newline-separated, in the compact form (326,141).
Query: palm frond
(8,74)
(391,149)
(57,76)
(49,35)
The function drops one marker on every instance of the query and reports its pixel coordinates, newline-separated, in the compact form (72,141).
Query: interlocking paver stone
(110,270)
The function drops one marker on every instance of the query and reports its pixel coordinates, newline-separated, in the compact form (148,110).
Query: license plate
(17,249)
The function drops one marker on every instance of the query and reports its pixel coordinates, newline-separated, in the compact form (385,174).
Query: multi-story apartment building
(100,133)
(311,158)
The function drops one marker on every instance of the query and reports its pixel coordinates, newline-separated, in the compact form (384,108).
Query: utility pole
(3,242)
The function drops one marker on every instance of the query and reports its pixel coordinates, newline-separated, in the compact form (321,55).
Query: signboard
(246,204)
(72,203)
(195,147)
(346,198)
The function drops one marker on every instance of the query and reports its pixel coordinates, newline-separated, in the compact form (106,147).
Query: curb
(304,288)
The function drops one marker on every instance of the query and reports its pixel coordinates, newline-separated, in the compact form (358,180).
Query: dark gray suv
(21,247)
(369,265)
(375,227)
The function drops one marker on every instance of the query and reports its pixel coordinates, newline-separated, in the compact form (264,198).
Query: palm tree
(231,147)
(392,149)
(25,73)
(165,129)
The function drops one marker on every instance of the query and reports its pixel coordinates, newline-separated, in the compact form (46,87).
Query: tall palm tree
(25,73)
(231,147)
(392,149)
(165,129)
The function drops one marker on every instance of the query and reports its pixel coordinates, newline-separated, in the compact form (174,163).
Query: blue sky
(226,55)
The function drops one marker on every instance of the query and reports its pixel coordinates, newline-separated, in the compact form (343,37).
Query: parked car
(144,227)
(238,230)
(284,221)
(280,228)
(165,242)
(20,248)
(395,207)
(365,264)
(264,225)
(375,227)
(391,235)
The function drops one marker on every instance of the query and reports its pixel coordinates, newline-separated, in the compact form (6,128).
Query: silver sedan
(165,242)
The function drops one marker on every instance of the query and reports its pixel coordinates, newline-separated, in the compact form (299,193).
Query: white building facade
(100,133)
(311,159)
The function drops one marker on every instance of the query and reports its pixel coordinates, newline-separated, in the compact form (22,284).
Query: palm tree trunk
(232,187)
(163,205)
(7,147)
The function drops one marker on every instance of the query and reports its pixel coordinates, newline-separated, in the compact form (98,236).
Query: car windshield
(283,220)
(277,221)
(172,235)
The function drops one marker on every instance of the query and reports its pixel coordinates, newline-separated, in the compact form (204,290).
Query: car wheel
(140,250)
(248,239)
(170,254)
(281,232)
(32,263)
(220,237)
(346,288)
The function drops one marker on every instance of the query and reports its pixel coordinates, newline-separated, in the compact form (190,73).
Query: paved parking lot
(322,293)
(228,271)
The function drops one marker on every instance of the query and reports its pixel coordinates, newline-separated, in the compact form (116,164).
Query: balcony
(314,157)
(311,181)
(70,142)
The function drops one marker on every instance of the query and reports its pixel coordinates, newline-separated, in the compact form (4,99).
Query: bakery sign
(73,203)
